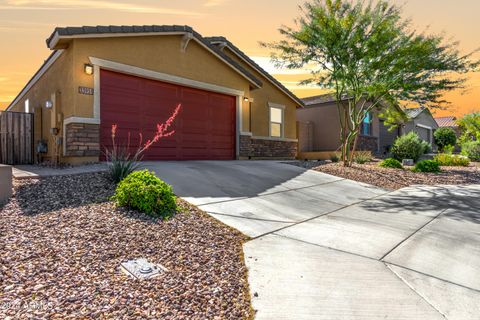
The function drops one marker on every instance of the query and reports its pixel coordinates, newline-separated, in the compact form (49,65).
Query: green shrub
(427,166)
(408,146)
(451,160)
(427,147)
(334,157)
(144,192)
(362,157)
(445,137)
(471,149)
(448,149)
(391,163)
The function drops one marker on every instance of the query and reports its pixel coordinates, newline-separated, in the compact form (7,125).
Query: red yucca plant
(123,161)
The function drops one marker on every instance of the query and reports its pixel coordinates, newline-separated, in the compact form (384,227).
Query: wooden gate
(16,138)
(305,136)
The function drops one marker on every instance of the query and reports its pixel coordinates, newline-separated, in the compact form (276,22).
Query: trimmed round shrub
(471,149)
(391,163)
(143,191)
(445,137)
(427,166)
(452,160)
(408,146)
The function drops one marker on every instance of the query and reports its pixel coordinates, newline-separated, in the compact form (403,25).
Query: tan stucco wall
(260,110)
(161,54)
(58,79)
(326,125)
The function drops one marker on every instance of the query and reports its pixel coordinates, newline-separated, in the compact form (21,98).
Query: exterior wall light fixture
(88,68)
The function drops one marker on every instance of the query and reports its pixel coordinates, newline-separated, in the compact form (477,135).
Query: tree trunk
(355,141)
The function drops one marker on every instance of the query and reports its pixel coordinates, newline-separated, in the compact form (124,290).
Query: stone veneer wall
(82,140)
(251,147)
(367,143)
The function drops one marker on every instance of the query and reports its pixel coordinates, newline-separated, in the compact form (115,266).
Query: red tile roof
(446,121)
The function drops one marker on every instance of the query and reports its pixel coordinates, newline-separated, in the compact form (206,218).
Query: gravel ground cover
(62,241)
(395,179)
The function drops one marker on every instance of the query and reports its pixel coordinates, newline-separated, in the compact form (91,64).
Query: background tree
(368,55)
(470,127)
(445,137)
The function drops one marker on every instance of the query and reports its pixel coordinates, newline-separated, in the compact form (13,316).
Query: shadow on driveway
(462,202)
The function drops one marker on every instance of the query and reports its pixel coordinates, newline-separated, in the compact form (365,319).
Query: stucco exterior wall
(326,125)
(158,53)
(260,109)
(57,81)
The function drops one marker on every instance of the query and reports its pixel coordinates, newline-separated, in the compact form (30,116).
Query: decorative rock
(63,233)
(408,162)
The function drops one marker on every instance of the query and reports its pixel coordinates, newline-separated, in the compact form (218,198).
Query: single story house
(449,122)
(319,127)
(134,77)
(422,122)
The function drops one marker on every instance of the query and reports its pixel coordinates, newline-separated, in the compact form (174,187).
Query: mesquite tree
(367,54)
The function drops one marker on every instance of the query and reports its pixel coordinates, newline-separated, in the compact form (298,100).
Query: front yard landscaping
(63,241)
(393,179)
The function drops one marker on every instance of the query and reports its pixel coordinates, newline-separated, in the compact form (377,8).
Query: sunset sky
(25,24)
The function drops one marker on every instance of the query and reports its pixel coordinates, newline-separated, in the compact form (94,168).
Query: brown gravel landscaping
(394,179)
(62,241)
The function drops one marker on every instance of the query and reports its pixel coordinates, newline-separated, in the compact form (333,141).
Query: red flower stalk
(162,132)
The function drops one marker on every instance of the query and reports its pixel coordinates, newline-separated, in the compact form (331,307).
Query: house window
(276,121)
(366,129)
(27,106)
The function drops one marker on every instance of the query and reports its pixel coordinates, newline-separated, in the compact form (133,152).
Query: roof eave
(232,48)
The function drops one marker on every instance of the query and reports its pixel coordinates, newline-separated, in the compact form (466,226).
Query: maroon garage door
(205,127)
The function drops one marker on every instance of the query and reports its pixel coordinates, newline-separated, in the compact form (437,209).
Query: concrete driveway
(328,248)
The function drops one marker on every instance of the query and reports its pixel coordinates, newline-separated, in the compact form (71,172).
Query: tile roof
(240,53)
(320,99)
(449,121)
(89,30)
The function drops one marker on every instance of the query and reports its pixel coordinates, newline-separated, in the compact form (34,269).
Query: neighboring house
(134,76)
(422,122)
(319,127)
(448,122)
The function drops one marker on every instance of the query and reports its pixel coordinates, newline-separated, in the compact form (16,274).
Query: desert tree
(370,58)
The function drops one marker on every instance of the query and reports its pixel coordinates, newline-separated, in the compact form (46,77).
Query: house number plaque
(85,90)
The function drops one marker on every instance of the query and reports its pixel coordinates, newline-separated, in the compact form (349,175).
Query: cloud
(92,4)
(214,3)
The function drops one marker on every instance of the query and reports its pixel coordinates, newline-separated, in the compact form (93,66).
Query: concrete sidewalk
(36,172)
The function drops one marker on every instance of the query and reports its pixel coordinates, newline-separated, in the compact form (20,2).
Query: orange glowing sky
(25,24)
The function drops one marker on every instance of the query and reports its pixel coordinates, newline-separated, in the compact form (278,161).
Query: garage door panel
(195,96)
(205,128)
(155,89)
(126,83)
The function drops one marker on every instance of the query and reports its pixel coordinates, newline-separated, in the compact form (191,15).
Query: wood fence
(16,138)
